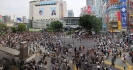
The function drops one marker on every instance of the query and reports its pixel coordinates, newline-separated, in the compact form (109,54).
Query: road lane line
(116,66)
(129,66)
(74,66)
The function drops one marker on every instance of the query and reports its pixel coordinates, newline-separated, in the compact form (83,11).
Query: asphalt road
(86,43)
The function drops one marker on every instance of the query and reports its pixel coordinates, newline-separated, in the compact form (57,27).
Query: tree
(90,23)
(56,25)
(14,29)
(97,26)
(3,28)
(21,27)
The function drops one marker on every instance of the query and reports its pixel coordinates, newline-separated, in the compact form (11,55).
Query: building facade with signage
(114,16)
(42,12)
(131,15)
(92,7)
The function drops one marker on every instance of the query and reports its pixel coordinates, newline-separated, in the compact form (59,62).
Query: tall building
(6,19)
(103,13)
(90,2)
(42,12)
(92,7)
(70,13)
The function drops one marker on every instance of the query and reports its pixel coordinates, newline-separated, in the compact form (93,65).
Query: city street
(86,43)
(119,65)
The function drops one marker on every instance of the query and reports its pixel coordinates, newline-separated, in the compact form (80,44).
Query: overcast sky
(21,7)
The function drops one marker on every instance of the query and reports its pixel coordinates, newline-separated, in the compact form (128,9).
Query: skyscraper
(6,18)
(90,2)
(70,13)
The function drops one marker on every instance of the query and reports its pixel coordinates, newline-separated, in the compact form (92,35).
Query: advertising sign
(89,9)
(53,11)
(123,13)
(41,11)
(113,1)
(118,14)
(48,2)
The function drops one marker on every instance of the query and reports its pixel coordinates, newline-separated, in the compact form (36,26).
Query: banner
(113,1)
(53,11)
(123,13)
(41,11)
(118,14)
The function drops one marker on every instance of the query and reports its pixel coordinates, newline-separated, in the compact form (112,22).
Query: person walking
(113,60)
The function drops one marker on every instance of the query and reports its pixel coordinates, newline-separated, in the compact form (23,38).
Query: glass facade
(89,2)
(71,21)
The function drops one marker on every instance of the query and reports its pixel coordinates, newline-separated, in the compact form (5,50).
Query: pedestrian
(113,60)
(68,67)
(98,66)
(124,68)
(77,64)
(120,53)
(132,60)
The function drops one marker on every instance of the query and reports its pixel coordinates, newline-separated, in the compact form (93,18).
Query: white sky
(21,7)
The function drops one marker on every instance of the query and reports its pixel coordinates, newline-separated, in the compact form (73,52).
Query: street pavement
(90,43)
(119,65)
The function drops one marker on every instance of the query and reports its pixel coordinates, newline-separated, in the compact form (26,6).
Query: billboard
(113,1)
(123,13)
(41,11)
(118,14)
(89,9)
(53,11)
(48,2)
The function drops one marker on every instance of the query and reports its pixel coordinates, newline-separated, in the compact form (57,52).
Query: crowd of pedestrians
(64,54)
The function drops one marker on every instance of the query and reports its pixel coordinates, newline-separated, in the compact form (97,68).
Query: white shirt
(98,66)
